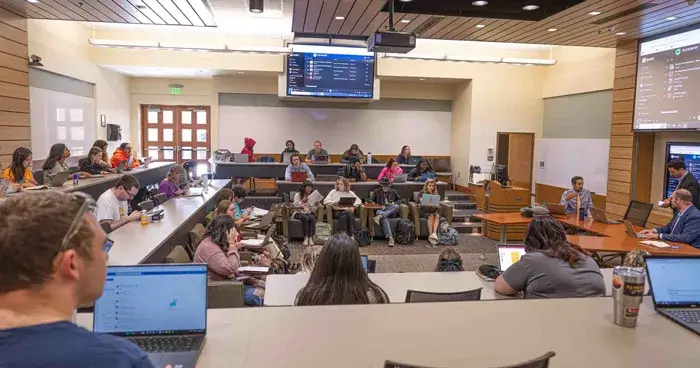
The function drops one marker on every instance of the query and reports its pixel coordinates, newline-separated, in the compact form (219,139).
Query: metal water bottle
(369,157)
(581,214)
(628,292)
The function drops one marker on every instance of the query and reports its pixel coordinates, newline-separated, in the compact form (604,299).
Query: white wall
(377,131)
(565,158)
(579,70)
(64,49)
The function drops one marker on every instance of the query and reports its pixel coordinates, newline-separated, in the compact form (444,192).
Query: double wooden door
(177,133)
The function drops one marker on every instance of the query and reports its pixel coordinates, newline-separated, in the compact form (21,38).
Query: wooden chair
(413,296)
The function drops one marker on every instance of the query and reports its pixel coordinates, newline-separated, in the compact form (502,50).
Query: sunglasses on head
(87,203)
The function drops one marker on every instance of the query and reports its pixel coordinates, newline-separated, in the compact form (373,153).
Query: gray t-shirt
(541,276)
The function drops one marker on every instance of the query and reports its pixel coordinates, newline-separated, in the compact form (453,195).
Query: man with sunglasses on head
(52,260)
(112,206)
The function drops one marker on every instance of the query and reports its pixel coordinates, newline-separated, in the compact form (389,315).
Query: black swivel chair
(413,296)
(638,213)
(540,362)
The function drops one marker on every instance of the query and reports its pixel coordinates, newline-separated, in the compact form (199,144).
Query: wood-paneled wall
(552,194)
(14,85)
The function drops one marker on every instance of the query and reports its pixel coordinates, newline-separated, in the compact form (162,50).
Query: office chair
(196,235)
(413,296)
(540,362)
(224,294)
(638,213)
(391,364)
(178,255)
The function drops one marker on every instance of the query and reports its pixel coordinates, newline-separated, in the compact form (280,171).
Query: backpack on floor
(363,237)
(447,235)
(323,233)
(405,232)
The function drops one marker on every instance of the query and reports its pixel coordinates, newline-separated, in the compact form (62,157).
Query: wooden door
(176,133)
(521,147)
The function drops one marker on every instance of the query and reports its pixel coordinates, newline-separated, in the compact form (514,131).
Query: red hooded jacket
(120,156)
(248,149)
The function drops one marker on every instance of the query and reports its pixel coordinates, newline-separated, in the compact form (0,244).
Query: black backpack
(405,232)
(363,237)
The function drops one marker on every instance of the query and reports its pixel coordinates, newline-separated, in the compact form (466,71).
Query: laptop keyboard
(686,315)
(163,344)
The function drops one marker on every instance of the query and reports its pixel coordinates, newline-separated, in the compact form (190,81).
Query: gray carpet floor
(421,256)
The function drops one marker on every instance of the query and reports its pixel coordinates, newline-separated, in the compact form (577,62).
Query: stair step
(463,205)
(467,227)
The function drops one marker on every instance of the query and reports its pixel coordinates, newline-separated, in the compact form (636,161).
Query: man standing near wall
(686,180)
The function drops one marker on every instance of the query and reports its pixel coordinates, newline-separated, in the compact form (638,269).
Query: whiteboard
(58,117)
(381,132)
(566,158)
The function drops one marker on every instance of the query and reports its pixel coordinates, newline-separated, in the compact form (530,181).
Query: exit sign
(176,90)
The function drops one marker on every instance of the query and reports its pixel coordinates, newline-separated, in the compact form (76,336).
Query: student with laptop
(296,166)
(353,170)
(404,158)
(112,205)
(449,261)
(288,150)
(249,144)
(318,154)
(391,169)
(686,180)
(339,278)
(239,214)
(430,212)
(123,153)
(56,163)
(306,211)
(92,164)
(353,151)
(20,172)
(390,200)
(552,267)
(345,204)
(218,249)
(170,186)
(684,227)
(422,171)
(104,160)
(53,260)
(577,197)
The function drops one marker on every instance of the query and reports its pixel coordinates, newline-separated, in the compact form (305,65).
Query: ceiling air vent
(427,25)
(624,13)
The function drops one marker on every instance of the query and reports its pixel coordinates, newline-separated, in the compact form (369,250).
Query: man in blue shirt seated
(685,226)
(52,260)
(577,197)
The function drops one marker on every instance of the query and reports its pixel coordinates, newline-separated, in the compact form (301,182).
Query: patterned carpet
(421,256)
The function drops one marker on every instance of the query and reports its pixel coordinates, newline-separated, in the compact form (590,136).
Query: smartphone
(108,245)
(661,203)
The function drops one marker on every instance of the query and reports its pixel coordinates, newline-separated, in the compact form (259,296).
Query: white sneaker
(377,219)
(307,241)
(391,241)
(433,239)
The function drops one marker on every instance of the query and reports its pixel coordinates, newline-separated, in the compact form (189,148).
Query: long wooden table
(363,189)
(464,334)
(281,290)
(608,238)
(135,243)
(228,170)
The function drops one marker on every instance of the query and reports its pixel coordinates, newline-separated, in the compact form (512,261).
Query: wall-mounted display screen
(668,83)
(329,71)
(688,152)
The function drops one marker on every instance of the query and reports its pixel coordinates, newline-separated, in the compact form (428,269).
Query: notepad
(315,197)
(258,212)
(654,243)
(253,242)
(38,187)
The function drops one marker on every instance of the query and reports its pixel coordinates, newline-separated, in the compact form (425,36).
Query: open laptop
(401,178)
(430,200)
(673,284)
(631,232)
(265,221)
(194,192)
(346,201)
(598,214)
(160,308)
(120,167)
(240,158)
(299,176)
(254,243)
(60,178)
(509,254)
(146,162)
(556,209)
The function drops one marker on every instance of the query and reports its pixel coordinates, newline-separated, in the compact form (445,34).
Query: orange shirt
(7,174)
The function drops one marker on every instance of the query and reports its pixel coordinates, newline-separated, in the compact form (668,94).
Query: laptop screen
(674,281)
(509,254)
(153,300)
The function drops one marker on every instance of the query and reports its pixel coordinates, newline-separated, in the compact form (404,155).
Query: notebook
(160,308)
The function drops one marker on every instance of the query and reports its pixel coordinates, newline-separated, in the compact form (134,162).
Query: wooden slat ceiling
(574,26)
(166,12)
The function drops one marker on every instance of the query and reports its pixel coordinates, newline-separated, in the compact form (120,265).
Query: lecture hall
(349,183)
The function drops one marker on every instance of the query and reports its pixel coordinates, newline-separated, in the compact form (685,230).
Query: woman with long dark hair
(20,170)
(391,169)
(56,163)
(306,212)
(552,267)
(338,277)
(104,160)
(92,164)
(219,250)
(405,156)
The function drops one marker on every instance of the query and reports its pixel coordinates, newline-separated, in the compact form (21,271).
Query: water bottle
(581,214)
(75,179)
(369,157)
(628,293)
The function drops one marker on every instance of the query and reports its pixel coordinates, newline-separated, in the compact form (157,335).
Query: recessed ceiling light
(480,26)
(531,7)
(405,20)
(339,18)
(621,33)
(594,13)
(671,18)
(552,30)
(479,3)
